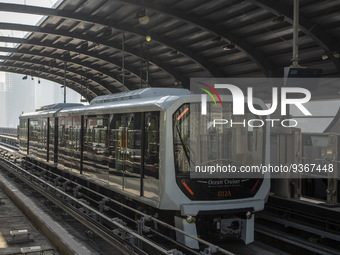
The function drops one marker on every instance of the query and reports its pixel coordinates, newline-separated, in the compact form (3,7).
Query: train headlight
(191,219)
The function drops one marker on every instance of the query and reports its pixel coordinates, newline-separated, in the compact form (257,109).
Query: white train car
(137,144)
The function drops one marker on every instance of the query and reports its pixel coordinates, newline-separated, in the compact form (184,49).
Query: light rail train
(140,145)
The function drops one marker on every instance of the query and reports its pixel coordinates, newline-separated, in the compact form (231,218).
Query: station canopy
(98,47)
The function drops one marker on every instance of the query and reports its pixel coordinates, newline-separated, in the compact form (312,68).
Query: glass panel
(151,156)
(151,164)
(96,147)
(236,144)
(132,152)
(33,137)
(75,142)
(23,142)
(200,143)
(116,159)
(63,134)
(42,139)
(51,148)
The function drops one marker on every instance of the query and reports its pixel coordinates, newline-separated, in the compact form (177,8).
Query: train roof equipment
(139,93)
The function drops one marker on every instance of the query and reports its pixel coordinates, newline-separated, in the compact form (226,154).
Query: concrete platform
(66,234)
(11,219)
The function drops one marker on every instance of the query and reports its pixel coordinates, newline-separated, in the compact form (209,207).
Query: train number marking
(224,193)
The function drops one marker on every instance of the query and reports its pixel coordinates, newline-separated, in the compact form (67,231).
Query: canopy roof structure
(99,47)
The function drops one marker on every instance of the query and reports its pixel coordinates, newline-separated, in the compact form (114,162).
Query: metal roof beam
(51,71)
(72,61)
(47,76)
(267,66)
(90,54)
(94,20)
(312,29)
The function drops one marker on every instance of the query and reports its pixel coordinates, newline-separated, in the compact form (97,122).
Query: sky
(20,18)
(45,87)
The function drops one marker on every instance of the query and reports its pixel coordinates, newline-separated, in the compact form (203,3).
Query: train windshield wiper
(183,145)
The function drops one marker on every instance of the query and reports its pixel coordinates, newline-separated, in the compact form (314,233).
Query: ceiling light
(336,54)
(217,39)
(324,56)
(173,53)
(66,56)
(279,19)
(144,20)
(229,46)
(148,38)
(142,17)
(178,83)
(84,46)
(108,31)
(25,77)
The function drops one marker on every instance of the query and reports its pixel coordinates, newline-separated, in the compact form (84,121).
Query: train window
(151,151)
(42,139)
(23,138)
(65,141)
(125,150)
(52,156)
(208,144)
(133,145)
(181,132)
(33,136)
(96,143)
(117,144)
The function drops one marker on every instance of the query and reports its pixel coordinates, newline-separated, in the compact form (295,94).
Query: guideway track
(305,226)
(115,230)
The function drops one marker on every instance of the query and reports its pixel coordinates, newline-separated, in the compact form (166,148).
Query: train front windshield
(218,139)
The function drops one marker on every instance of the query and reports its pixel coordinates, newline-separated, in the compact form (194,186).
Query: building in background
(18,95)
(3,115)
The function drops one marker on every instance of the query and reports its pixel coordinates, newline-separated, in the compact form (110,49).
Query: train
(139,144)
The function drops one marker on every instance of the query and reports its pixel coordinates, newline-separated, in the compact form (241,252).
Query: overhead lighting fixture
(229,46)
(148,38)
(66,56)
(217,39)
(173,52)
(108,31)
(279,19)
(324,57)
(84,46)
(178,83)
(143,19)
(25,77)
(336,54)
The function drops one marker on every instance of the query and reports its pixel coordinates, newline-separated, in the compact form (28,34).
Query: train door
(132,152)
(150,154)
(117,150)
(125,152)
(96,147)
(76,143)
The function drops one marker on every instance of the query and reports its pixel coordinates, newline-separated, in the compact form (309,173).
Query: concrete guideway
(56,233)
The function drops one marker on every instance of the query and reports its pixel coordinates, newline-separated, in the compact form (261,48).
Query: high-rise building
(18,96)
(3,115)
